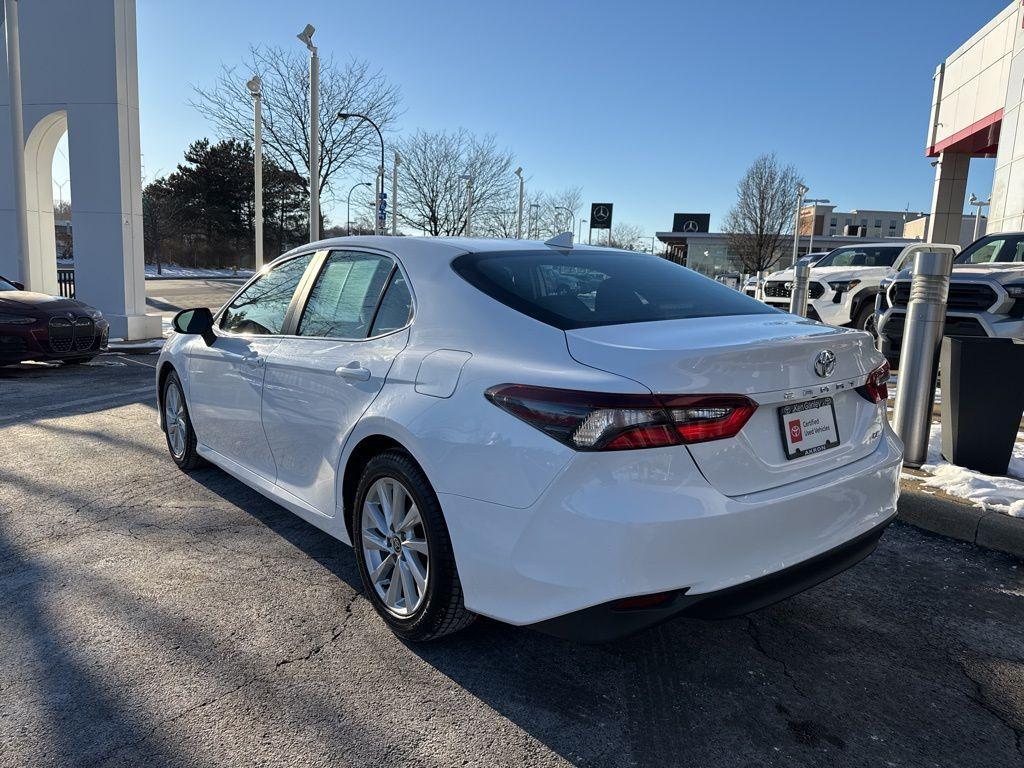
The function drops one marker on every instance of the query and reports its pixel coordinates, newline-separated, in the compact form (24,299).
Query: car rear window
(589,288)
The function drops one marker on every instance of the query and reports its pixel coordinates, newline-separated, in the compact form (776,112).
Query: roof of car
(436,246)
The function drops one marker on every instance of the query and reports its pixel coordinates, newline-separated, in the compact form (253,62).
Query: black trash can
(982,401)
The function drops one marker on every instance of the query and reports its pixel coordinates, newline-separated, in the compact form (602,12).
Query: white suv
(844,283)
(986,294)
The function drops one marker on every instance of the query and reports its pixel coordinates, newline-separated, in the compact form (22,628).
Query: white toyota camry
(585,440)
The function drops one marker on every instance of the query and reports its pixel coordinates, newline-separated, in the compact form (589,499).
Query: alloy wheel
(174,420)
(395,547)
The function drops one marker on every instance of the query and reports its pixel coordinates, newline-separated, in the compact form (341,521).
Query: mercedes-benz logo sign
(788,286)
(825,363)
(690,226)
(601,213)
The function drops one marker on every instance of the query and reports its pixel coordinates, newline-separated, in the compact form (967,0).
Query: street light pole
(814,203)
(17,139)
(801,190)
(380,171)
(348,207)
(519,219)
(579,237)
(469,203)
(306,36)
(394,195)
(255,88)
(979,204)
(572,216)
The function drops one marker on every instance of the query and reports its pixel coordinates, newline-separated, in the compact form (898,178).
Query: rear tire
(404,552)
(181,438)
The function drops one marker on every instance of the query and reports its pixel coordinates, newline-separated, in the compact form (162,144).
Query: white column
(17,140)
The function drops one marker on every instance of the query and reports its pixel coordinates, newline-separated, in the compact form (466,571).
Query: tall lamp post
(306,36)
(979,204)
(468,178)
(380,171)
(17,138)
(813,202)
(572,216)
(801,190)
(394,195)
(348,207)
(579,237)
(255,88)
(519,219)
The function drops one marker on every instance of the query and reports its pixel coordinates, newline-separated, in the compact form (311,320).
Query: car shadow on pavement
(866,667)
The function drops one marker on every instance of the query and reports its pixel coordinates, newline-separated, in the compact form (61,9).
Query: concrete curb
(947,515)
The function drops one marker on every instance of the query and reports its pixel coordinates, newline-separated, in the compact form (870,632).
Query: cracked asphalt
(155,618)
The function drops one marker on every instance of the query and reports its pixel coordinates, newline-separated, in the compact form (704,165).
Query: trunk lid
(771,359)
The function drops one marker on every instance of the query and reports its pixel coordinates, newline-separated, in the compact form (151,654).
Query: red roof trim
(968,141)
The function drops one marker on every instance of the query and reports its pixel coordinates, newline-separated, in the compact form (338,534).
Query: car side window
(345,295)
(395,307)
(261,308)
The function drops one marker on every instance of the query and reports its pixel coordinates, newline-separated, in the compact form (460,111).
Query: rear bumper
(604,623)
(629,523)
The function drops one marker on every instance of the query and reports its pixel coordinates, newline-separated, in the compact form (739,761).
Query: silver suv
(986,294)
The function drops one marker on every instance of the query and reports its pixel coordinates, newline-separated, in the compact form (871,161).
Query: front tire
(866,320)
(181,438)
(404,552)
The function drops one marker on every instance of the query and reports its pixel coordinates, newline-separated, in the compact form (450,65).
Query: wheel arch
(365,447)
(862,297)
(165,370)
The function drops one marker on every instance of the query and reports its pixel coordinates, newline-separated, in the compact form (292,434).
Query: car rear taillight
(876,388)
(596,421)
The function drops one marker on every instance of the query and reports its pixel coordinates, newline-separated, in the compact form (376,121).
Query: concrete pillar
(948,198)
(79,71)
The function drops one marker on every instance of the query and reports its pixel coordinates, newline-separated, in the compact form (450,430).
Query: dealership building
(976,112)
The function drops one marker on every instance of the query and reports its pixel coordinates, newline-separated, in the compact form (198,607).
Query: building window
(892,224)
(834,222)
(832,231)
(878,223)
(864,222)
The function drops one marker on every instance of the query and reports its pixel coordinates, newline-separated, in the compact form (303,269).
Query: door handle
(253,361)
(353,371)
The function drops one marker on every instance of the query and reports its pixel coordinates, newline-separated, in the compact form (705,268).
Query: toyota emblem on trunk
(825,363)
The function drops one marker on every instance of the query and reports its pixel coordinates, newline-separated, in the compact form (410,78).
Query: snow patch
(1000,494)
(173,270)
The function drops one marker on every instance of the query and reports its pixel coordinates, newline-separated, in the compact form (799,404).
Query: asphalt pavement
(168,297)
(156,618)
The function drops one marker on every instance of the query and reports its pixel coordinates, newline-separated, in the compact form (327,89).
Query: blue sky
(655,106)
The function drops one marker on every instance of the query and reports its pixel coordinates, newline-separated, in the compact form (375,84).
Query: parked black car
(36,326)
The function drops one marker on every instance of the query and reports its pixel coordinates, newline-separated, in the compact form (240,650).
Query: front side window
(261,308)
(345,296)
(592,288)
(6,286)
(857,256)
(997,248)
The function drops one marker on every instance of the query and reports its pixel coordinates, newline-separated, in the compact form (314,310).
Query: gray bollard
(922,337)
(801,285)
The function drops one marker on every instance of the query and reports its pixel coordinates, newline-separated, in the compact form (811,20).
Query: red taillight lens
(876,388)
(595,421)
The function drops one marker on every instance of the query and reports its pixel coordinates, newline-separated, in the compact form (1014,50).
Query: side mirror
(195,322)
(19,286)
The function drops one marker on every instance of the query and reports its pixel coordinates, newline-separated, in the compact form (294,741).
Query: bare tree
(344,146)
(627,236)
(763,213)
(433,193)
